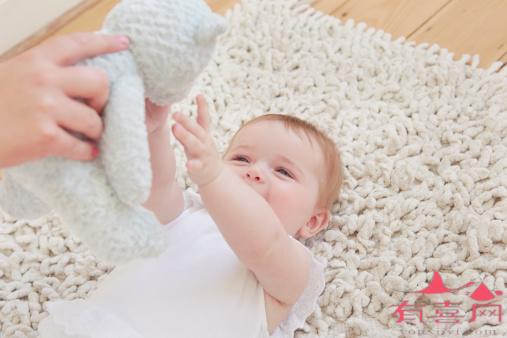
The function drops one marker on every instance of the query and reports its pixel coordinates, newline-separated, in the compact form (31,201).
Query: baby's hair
(330,184)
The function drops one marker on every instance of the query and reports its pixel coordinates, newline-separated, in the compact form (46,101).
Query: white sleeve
(191,202)
(192,199)
(83,319)
(306,303)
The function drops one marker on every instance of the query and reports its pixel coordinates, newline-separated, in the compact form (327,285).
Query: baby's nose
(254,174)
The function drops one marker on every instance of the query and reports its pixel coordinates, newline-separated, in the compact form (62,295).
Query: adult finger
(78,117)
(202,112)
(69,49)
(65,145)
(190,125)
(87,83)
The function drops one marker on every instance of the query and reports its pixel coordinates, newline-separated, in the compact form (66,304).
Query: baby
(234,267)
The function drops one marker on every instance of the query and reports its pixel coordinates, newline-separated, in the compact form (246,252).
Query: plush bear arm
(19,202)
(124,145)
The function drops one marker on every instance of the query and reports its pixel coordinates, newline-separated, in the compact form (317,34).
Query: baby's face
(283,167)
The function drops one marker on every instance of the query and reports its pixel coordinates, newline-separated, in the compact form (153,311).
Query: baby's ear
(318,222)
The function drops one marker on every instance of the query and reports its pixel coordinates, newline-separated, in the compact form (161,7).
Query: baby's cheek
(290,204)
(237,171)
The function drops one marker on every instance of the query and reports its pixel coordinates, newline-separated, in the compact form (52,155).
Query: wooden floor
(461,26)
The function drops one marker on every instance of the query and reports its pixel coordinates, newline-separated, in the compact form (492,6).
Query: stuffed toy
(100,201)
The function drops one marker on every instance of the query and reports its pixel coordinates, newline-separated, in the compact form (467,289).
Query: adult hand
(44,95)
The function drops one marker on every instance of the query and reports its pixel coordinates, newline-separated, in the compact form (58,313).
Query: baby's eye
(285,172)
(240,158)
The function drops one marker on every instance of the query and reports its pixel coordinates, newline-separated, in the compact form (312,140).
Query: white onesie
(196,288)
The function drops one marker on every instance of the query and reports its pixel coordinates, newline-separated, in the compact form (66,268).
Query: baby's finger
(190,126)
(154,108)
(193,147)
(202,112)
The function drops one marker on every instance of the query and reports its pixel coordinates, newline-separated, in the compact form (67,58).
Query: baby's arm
(254,232)
(245,219)
(166,196)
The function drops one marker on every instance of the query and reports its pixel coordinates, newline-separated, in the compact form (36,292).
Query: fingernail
(95,151)
(123,41)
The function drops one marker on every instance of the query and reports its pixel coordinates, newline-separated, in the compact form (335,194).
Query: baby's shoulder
(284,320)
(276,312)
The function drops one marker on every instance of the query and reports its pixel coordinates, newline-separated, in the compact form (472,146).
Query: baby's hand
(203,160)
(156,116)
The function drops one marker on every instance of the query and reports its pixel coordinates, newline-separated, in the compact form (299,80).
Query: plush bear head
(170,39)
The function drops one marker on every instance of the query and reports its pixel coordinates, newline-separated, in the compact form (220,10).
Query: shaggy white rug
(424,144)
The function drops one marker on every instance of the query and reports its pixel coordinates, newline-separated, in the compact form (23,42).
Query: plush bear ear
(210,29)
